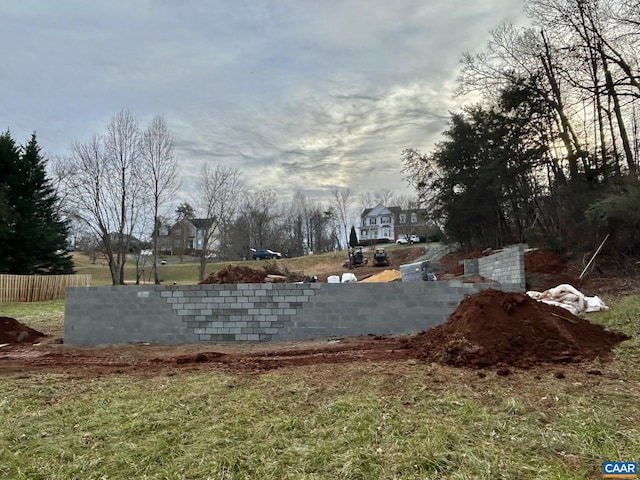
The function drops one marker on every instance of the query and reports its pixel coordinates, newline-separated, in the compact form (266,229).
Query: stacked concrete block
(411,272)
(262,312)
(505,267)
(256,312)
(471,267)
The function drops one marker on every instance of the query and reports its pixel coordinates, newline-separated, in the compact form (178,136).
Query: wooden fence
(38,288)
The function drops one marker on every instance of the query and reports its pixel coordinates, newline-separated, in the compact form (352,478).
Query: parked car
(265,255)
(408,240)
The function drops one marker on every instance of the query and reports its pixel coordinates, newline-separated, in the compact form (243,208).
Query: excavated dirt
(489,330)
(493,328)
(12,331)
(236,274)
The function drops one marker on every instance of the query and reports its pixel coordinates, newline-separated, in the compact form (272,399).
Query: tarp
(569,298)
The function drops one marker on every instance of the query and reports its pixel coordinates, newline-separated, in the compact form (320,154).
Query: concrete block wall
(505,267)
(256,312)
(471,266)
(411,272)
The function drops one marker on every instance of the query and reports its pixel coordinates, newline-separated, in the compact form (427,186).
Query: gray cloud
(305,96)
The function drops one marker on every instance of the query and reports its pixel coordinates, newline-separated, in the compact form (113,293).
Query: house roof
(382,210)
(375,211)
(201,223)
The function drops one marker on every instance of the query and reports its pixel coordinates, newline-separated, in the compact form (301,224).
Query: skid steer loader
(380,258)
(356,258)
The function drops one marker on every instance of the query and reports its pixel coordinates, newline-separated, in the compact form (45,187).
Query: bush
(618,215)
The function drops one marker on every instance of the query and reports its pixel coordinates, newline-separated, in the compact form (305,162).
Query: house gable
(377,211)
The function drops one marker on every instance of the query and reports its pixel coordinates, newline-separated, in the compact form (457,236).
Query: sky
(300,95)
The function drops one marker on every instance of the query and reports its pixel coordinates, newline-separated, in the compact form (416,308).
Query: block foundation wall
(277,312)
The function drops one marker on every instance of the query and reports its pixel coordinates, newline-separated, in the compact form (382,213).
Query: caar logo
(619,470)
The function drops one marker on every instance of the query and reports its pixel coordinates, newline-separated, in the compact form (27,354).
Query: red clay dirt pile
(495,328)
(12,331)
(236,274)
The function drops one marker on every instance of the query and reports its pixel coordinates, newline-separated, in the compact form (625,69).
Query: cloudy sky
(307,95)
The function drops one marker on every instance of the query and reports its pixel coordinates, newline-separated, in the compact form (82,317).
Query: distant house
(387,224)
(188,236)
(131,243)
(164,238)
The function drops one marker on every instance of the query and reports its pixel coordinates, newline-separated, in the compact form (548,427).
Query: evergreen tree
(184,210)
(9,157)
(482,179)
(353,237)
(32,236)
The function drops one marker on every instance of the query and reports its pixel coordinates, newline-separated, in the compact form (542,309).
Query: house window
(414,218)
(386,233)
(386,220)
(403,218)
(372,221)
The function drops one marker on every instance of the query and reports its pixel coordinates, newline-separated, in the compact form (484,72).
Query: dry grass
(187,273)
(402,420)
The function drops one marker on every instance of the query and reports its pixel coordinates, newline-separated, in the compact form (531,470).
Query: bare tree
(293,243)
(161,175)
(383,196)
(59,170)
(220,191)
(106,188)
(342,202)
(259,210)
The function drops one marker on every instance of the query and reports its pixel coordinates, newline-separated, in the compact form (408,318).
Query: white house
(377,223)
(387,224)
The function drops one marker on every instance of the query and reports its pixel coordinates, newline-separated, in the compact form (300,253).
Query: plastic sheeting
(349,278)
(569,298)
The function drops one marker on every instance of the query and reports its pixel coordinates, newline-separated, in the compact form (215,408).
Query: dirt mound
(12,331)
(236,274)
(543,261)
(499,328)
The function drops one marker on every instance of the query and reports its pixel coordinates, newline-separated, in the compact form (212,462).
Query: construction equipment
(356,258)
(380,258)
(428,275)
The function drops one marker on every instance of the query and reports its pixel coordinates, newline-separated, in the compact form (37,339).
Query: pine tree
(9,158)
(32,235)
(353,237)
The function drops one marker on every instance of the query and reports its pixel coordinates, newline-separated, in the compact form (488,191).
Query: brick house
(188,236)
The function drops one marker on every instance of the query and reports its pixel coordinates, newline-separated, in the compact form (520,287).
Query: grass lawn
(404,420)
(187,272)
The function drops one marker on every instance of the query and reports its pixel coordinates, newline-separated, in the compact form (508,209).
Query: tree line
(549,155)
(122,185)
